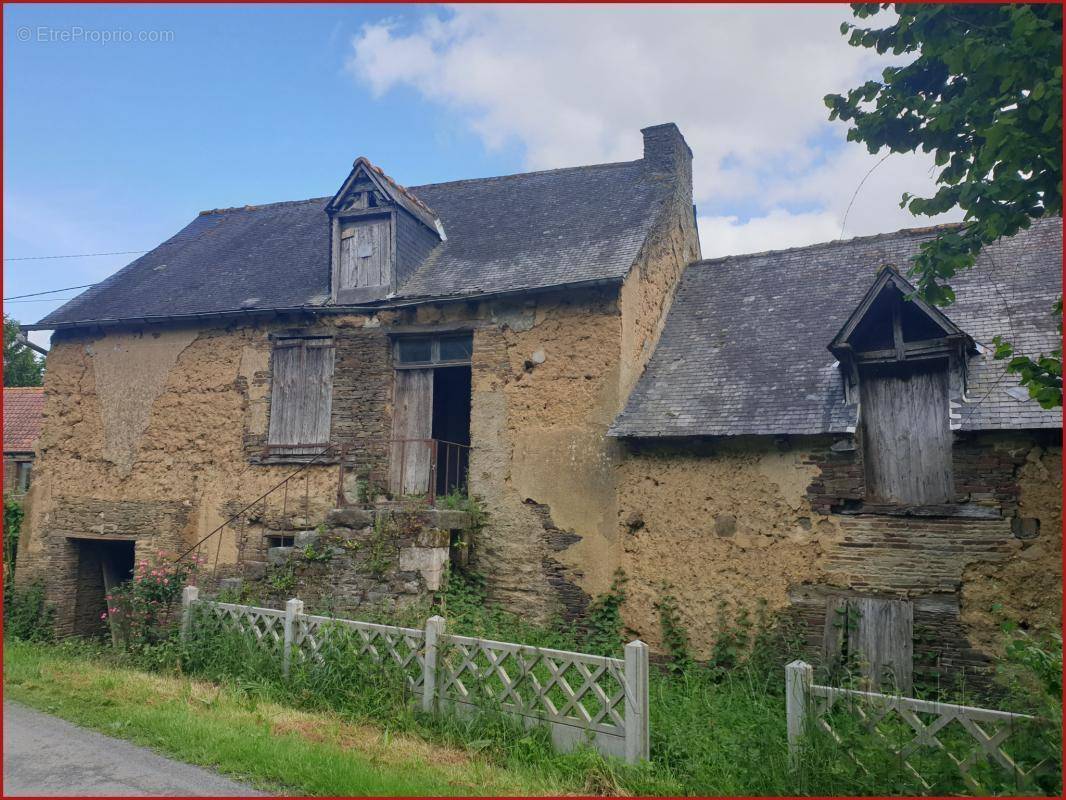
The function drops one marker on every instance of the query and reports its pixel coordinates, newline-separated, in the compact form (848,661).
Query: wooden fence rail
(582,698)
(809,704)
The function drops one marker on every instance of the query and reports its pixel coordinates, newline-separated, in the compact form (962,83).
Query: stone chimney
(666,152)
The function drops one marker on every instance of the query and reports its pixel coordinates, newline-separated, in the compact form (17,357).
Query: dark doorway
(451,427)
(102,565)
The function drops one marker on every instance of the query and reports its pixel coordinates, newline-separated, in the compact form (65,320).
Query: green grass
(245,736)
(716,728)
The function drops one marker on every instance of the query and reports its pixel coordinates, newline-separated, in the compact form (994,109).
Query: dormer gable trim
(842,345)
(362,170)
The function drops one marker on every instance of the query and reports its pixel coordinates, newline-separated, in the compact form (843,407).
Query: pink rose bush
(147,607)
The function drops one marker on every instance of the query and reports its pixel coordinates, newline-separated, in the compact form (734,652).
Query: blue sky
(114,146)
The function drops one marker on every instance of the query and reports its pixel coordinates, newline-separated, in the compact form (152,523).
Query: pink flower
(104,615)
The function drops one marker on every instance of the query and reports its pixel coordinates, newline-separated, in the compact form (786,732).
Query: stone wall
(736,522)
(156,454)
(359,561)
(545,381)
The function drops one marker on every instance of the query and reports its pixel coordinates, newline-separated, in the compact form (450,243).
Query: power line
(50,291)
(77,255)
(43,300)
(847,211)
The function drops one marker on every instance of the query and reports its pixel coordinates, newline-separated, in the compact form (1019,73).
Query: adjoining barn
(808,433)
(788,427)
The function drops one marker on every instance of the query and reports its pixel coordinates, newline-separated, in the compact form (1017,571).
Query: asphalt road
(45,756)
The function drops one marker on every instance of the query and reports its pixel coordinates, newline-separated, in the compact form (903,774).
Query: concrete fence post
(636,688)
(435,626)
(799,676)
(293,609)
(189,595)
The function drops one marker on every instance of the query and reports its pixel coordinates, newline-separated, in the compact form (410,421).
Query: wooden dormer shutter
(301,397)
(365,254)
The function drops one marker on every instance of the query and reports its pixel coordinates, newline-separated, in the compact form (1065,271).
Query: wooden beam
(106,537)
(897,328)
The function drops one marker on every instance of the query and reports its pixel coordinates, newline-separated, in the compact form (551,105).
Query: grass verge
(247,737)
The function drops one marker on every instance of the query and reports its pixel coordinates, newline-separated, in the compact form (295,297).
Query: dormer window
(904,361)
(370,217)
(365,253)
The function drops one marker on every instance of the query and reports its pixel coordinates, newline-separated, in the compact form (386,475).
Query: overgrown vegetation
(717,727)
(675,637)
(22,366)
(12,527)
(27,614)
(144,611)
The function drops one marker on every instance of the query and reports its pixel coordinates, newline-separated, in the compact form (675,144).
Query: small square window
(281,541)
(415,351)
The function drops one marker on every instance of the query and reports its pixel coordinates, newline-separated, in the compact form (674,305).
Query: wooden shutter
(317,401)
(285,392)
(907,435)
(301,397)
(412,432)
(875,634)
(365,254)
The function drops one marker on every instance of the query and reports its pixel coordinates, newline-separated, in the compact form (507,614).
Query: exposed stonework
(745,519)
(539,435)
(1027,586)
(370,560)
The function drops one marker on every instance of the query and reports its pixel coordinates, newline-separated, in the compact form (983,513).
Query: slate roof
(744,347)
(527,231)
(23,418)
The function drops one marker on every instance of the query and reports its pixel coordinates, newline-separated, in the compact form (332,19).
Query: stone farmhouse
(789,427)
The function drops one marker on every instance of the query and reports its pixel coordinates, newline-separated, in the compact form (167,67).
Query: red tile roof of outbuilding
(23,417)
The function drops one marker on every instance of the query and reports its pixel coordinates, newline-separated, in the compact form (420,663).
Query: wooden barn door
(874,634)
(907,434)
(412,432)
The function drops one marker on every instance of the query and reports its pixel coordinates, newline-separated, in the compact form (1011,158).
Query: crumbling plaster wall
(1027,587)
(742,520)
(96,469)
(544,388)
(713,524)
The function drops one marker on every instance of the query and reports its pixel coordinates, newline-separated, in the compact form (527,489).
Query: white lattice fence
(326,638)
(583,698)
(906,726)
(265,625)
(580,696)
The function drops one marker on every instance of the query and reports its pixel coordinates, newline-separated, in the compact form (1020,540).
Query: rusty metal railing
(424,468)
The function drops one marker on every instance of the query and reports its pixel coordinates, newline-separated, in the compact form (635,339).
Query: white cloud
(574,84)
(723,236)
